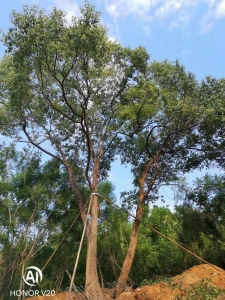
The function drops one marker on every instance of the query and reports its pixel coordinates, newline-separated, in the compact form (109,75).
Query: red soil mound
(154,292)
(198,273)
(180,284)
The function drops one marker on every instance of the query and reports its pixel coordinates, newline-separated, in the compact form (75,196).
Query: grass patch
(203,290)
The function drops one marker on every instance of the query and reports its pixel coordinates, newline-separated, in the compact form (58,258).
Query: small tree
(23,199)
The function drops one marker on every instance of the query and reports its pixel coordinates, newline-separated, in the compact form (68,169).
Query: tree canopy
(69,92)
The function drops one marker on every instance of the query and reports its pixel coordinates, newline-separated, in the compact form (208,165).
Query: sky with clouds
(189,30)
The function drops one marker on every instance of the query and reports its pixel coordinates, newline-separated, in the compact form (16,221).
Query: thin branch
(38,146)
(61,85)
(50,102)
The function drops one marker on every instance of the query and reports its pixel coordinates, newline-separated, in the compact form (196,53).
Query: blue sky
(189,30)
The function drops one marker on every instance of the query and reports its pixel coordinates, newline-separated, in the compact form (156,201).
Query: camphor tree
(61,88)
(166,129)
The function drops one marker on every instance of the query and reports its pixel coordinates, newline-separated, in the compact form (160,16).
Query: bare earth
(180,284)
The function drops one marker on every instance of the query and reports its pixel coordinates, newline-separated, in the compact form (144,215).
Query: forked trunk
(121,284)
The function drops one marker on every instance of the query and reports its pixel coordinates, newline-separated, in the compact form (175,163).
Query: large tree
(166,136)
(61,89)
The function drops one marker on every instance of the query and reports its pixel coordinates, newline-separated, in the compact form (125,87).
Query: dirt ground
(180,286)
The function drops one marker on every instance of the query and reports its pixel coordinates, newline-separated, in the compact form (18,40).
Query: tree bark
(139,212)
(77,194)
(92,287)
(21,287)
(121,284)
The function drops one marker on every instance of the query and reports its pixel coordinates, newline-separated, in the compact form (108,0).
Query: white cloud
(206,22)
(220,10)
(168,8)
(169,13)
(71,7)
(113,10)
(120,8)
(173,13)
(216,10)
(178,12)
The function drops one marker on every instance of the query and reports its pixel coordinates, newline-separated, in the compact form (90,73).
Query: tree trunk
(139,212)
(121,284)
(92,286)
(21,287)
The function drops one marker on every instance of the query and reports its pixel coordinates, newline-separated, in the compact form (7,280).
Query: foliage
(203,290)
(62,85)
(155,257)
(69,92)
(207,196)
(33,218)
